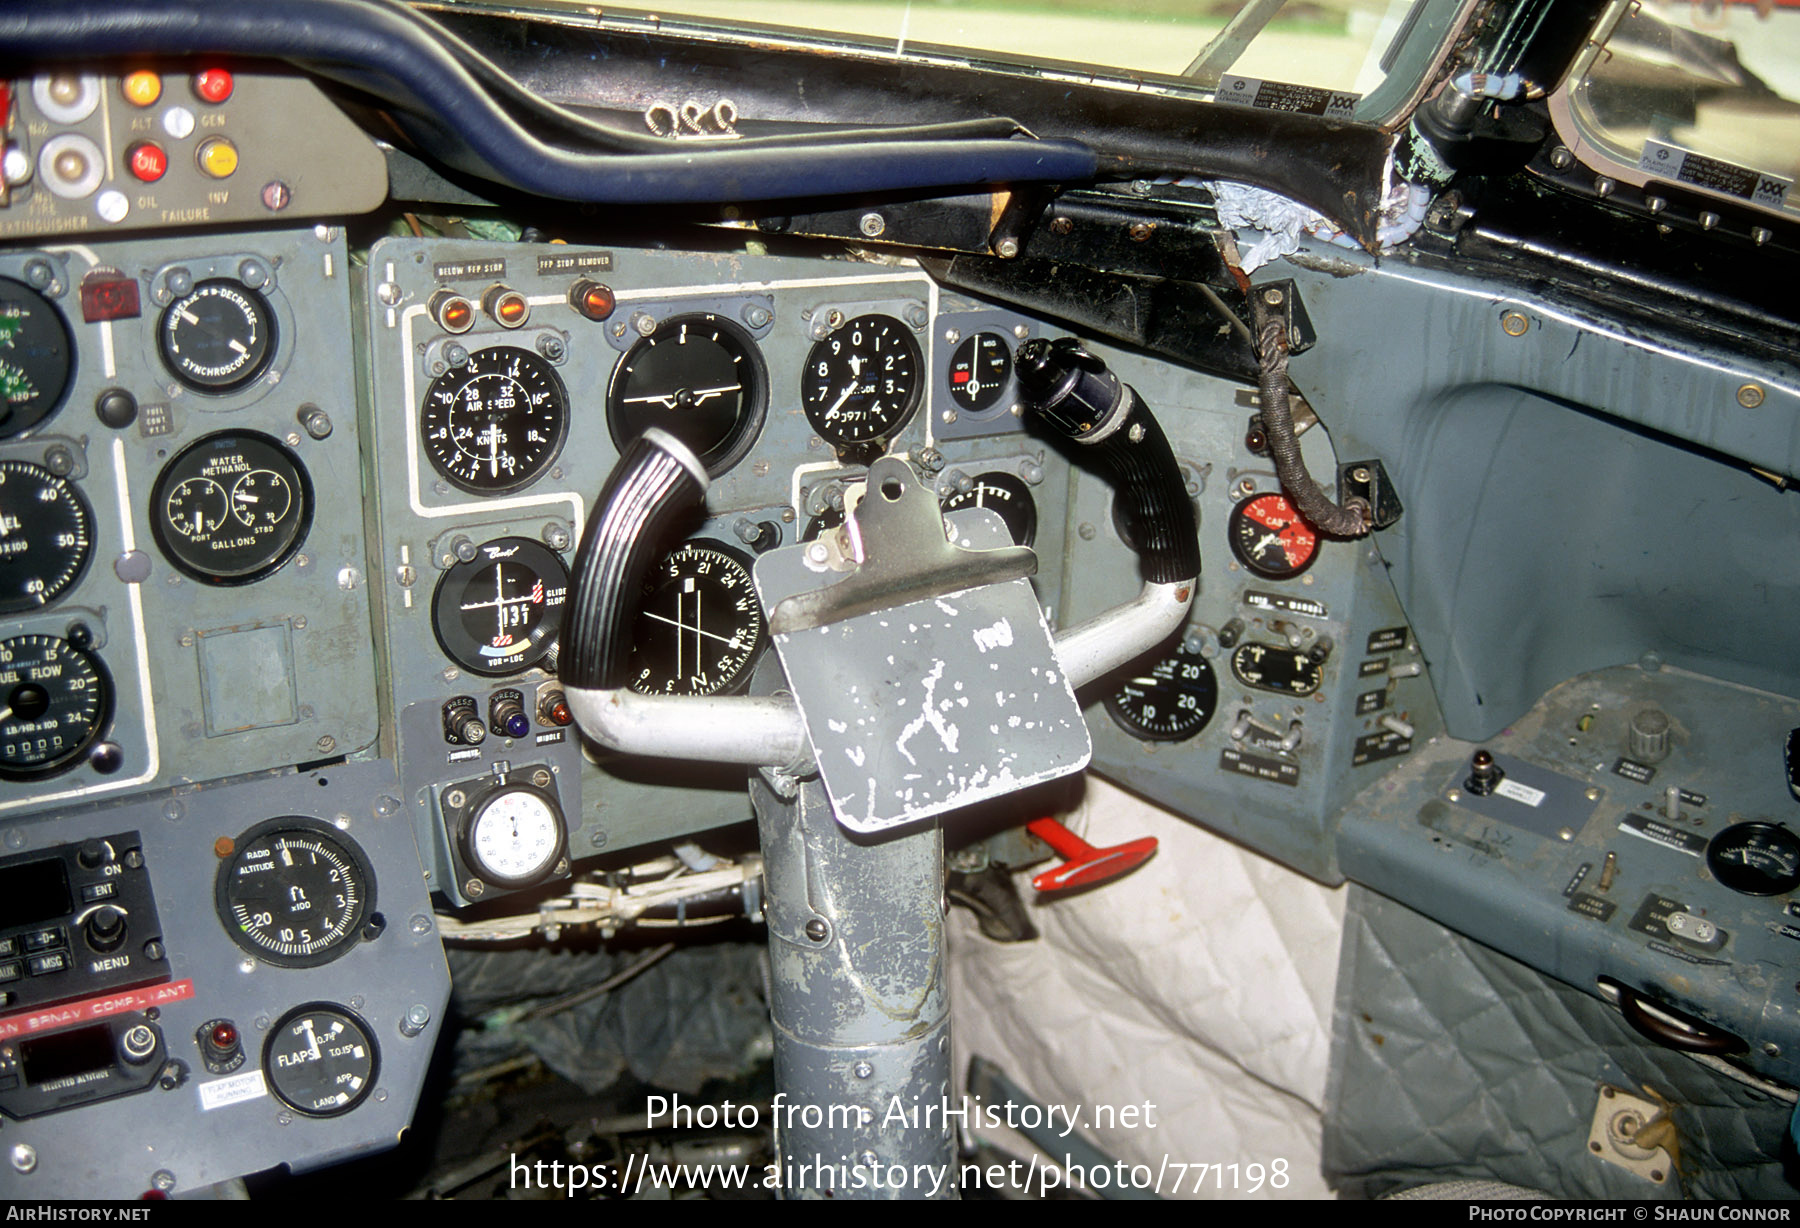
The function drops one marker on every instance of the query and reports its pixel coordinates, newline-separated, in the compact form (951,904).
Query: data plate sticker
(1260,766)
(1658,832)
(1668,162)
(1376,746)
(233,1089)
(1280,96)
(1305,607)
(1631,769)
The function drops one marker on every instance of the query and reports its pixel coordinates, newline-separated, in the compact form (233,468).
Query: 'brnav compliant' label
(1667,162)
(1280,96)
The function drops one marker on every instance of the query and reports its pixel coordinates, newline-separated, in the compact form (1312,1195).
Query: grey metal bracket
(905,556)
(930,682)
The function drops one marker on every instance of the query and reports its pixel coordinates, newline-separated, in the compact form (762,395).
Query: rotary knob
(1648,737)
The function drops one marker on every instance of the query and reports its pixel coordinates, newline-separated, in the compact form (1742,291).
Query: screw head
(1750,395)
(817,930)
(1514,324)
(24,1157)
(872,225)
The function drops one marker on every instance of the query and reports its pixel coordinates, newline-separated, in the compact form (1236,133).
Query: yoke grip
(1072,392)
(656,483)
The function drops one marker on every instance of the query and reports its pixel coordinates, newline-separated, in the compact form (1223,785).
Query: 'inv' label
(1667,162)
(1281,96)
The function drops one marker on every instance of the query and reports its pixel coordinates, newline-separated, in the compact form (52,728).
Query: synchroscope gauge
(496,423)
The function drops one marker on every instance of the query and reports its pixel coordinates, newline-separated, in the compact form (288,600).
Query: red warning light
(147,161)
(213,85)
(113,298)
(959,377)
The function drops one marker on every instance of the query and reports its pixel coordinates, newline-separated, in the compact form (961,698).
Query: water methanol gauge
(495,423)
(218,337)
(46,536)
(295,893)
(231,508)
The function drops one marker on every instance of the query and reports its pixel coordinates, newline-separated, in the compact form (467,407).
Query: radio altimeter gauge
(321,1060)
(861,383)
(497,422)
(55,700)
(218,337)
(36,358)
(500,612)
(294,893)
(697,377)
(1171,701)
(46,536)
(700,624)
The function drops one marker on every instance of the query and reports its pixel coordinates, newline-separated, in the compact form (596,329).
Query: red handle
(1083,864)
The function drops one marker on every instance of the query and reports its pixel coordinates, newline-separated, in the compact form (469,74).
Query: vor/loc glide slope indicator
(500,612)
